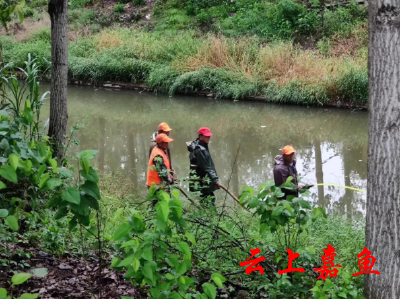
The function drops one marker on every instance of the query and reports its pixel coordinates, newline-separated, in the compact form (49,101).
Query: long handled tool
(232,195)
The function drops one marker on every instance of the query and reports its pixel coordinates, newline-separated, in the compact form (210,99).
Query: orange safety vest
(152,175)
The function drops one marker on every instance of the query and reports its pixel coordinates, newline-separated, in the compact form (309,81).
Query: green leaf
(147,254)
(3,293)
(12,222)
(14,160)
(184,247)
(43,149)
(53,183)
(8,172)
(162,209)
(28,296)
(92,189)
(40,272)
(43,180)
(20,278)
(222,278)
(176,208)
(121,231)
(54,201)
(169,276)
(148,271)
(210,290)
(93,203)
(328,285)
(190,238)
(27,165)
(136,264)
(87,153)
(126,262)
(65,173)
(3,213)
(91,175)
(218,282)
(277,211)
(53,164)
(114,262)
(304,204)
(4,144)
(85,163)
(28,114)
(318,213)
(71,195)
(175,193)
(2,185)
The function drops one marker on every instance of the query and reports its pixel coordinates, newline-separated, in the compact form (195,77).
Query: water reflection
(331,144)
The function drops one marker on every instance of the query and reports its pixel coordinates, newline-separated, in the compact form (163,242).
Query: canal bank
(115,85)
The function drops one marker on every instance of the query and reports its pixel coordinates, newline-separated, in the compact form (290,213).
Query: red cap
(204,131)
(163,138)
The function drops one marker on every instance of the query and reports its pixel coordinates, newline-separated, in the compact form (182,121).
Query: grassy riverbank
(295,63)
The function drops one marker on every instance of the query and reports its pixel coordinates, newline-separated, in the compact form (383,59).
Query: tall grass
(225,67)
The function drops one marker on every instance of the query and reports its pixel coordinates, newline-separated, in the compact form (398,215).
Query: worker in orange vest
(159,171)
(163,128)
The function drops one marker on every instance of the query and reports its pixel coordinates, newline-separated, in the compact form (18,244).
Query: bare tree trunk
(383,204)
(58,10)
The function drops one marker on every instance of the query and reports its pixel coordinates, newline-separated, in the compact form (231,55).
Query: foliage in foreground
(180,250)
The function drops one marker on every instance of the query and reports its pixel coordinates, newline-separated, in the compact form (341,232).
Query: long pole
(232,195)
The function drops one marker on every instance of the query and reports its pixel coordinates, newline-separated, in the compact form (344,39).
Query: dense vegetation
(177,248)
(282,51)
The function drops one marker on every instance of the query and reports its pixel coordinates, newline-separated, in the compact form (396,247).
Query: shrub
(162,78)
(28,12)
(124,1)
(119,8)
(224,83)
(105,68)
(88,16)
(351,86)
(139,2)
(79,3)
(296,93)
(41,35)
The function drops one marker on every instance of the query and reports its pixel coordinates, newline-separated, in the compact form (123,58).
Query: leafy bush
(119,8)
(296,93)
(139,2)
(223,83)
(108,68)
(41,35)
(28,12)
(162,78)
(352,86)
(79,3)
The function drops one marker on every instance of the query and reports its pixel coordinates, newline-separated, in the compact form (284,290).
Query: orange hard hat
(163,138)
(164,127)
(288,150)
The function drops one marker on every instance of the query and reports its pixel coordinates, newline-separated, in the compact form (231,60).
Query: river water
(331,144)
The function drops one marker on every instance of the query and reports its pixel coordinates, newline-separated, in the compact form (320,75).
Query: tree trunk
(383,204)
(58,10)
